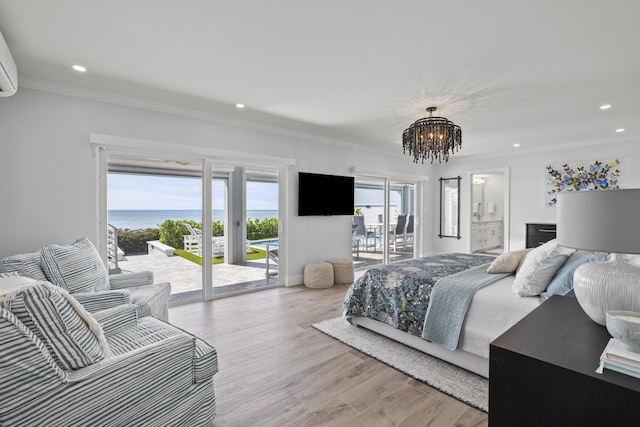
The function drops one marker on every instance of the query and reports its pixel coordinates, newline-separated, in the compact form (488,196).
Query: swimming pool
(262,244)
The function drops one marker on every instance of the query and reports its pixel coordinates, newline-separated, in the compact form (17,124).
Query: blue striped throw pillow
(76,267)
(62,326)
(28,265)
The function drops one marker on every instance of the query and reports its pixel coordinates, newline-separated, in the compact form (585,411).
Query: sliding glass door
(384,221)
(402,223)
(155,211)
(221,231)
(245,241)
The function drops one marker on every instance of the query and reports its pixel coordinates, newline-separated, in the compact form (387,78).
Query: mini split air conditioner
(8,70)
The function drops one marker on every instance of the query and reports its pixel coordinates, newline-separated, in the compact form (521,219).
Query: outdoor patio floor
(186,277)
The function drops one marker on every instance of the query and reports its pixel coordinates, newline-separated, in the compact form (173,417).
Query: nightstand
(542,373)
(538,234)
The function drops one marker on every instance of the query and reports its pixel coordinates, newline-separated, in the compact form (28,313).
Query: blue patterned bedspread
(399,294)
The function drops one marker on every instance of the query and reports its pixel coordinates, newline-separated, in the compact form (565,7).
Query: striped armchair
(61,366)
(78,269)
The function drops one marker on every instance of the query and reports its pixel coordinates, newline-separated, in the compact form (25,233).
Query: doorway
(489,210)
(160,211)
(384,221)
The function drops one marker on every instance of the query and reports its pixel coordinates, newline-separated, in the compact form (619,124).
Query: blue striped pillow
(60,325)
(28,265)
(76,267)
(9,274)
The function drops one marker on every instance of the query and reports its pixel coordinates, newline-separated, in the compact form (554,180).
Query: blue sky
(146,192)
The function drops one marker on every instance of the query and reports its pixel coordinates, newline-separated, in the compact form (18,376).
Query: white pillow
(632,259)
(508,262)
(539,267)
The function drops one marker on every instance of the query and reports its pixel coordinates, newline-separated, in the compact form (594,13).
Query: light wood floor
(276,370)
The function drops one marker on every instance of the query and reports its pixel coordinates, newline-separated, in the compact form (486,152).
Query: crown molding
(120,144)
(376,173)
(111,98)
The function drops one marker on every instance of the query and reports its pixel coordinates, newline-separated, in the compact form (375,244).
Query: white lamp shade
(600,220)
(604,221)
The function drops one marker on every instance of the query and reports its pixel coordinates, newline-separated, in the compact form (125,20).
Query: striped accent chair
(78,269)
(61,366)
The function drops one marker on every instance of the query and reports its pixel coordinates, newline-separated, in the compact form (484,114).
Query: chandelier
(432,138)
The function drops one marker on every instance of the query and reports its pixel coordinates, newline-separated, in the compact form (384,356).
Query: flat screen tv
(324,194)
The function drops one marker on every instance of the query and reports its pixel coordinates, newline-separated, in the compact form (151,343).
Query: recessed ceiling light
(605,106)
(516,145)
(619,130)
(79,68)
(239,105)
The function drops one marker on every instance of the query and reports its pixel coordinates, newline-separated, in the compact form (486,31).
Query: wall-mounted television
(324,194)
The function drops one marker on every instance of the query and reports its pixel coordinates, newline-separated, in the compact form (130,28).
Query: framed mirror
(450,207)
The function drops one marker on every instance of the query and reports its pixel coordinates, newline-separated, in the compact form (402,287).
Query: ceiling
(528,72)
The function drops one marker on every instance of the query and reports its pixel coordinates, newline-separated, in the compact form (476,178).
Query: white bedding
(493,310)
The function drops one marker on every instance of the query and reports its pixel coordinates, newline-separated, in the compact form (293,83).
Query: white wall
(493,192)
(48,174)
(48,171)
(527,186)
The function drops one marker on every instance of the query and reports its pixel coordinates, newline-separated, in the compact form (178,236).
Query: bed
(394,301)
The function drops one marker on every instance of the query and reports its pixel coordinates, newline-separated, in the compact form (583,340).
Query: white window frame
(387,177)
(105,145)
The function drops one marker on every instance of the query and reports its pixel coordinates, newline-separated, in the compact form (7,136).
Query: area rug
(459,383)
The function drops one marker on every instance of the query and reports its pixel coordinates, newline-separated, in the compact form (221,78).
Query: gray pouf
(318,275)
(342,271)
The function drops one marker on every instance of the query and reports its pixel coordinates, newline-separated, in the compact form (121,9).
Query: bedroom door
(489,211)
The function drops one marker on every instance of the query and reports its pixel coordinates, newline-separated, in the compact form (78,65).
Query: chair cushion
(29,265)
(74,339)
(150,330)
(76,267)
(152,300)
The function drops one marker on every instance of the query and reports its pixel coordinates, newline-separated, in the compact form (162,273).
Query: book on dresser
(616,357)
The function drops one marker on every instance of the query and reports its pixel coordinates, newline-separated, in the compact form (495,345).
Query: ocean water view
(142,219)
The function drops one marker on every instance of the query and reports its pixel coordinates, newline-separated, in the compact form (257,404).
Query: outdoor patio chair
(61,366)
(397,234)
(217,246)
(271,256)
(78,269)
(193,240)
(409,232)
(361,235)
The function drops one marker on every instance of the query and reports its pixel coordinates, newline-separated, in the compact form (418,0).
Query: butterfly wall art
(581,176)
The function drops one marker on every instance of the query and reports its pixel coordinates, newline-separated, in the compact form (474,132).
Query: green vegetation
(255,254)
(171,232)
(135,241)
(262,229)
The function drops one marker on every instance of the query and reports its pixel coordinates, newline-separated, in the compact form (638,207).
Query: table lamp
(603,221)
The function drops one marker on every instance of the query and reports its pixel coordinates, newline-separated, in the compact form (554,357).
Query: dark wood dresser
(538,234)
(542,373)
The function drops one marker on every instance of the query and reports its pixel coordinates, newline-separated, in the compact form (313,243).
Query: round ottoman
(318,275)
(342,271)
